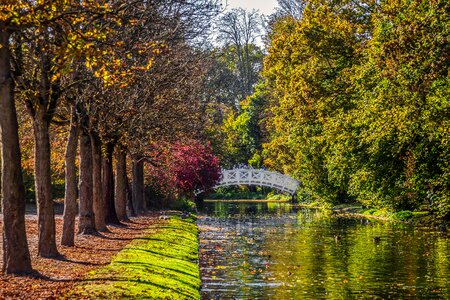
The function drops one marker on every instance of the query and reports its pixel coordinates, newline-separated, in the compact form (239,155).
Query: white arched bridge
(259,177)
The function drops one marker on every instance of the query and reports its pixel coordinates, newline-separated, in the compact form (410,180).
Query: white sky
(265,7)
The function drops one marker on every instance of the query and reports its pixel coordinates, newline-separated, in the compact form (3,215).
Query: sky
(265,7)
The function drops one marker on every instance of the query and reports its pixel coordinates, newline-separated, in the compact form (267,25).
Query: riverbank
(163,264)
(247,201)
(53,278)
(422,218)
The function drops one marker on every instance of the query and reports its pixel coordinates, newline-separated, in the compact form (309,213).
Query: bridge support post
(294,198)
(200,200)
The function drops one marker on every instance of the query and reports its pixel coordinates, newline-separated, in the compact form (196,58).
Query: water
(271,251)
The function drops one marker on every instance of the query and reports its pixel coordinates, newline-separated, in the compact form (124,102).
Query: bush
(370,211)
(278,197)
(183,205)
(403,215)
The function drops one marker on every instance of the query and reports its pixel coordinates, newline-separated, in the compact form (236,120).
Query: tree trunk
(16,256)
(87,221)
(108,185)
(138,186)
(121,184)
(98,199)
(130,199)
(70,197)
(43,186)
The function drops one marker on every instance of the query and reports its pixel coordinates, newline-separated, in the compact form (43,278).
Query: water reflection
(269,251)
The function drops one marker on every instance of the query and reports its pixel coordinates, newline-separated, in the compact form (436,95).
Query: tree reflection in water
(270,251)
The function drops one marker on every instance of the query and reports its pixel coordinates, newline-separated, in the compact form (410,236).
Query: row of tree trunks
(108,204)
(16,256)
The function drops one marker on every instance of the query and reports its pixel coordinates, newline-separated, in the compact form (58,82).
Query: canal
(275,251)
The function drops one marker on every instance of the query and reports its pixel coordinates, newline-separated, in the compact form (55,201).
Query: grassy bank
(413,217)
(160,265)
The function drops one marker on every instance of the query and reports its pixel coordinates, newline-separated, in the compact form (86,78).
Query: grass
(384,213)
(161,265)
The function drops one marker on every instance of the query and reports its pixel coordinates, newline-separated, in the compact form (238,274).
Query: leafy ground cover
(161,265)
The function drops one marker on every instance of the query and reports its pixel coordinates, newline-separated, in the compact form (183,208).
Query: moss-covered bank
(422,218)
(161,265)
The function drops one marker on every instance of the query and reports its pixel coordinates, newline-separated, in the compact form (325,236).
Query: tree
(121,183)
(303,72)
(32,16)
(184,168)
(16,256)
(401,102)
(291,8)
(71,190)
(238,32)
(52,35)
(359,97)
(87,218)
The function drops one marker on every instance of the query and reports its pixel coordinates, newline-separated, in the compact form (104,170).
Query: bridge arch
(259,177)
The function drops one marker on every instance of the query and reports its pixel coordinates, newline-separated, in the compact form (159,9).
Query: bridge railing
(259,177)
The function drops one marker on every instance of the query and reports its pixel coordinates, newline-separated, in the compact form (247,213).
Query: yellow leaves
(245,104)
(149,64)
(55,77)
(106,77)
(134,22)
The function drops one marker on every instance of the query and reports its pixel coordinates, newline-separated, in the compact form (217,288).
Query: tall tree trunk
(121,184)
(43,186)
(108,185)
(130,199)
(138,186)
(98,199)
(87,220)
(16,256)
(70,197)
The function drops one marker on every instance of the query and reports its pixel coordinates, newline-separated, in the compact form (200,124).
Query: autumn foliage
(184,168)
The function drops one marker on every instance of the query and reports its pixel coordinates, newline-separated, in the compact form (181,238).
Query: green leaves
(360,101)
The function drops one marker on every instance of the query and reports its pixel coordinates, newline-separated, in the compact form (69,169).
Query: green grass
(161,265)
(403,215)
(278,197)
